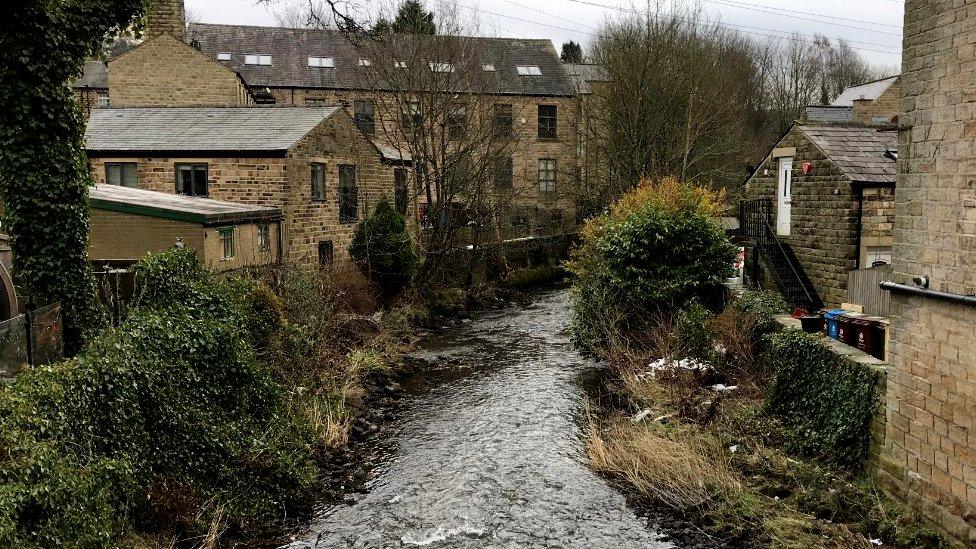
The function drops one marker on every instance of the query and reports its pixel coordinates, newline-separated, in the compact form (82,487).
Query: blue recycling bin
(831,317)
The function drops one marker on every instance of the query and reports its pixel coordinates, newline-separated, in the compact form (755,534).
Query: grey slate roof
(175,206)
(389,152)
(95,75)
(585,73)
(290,48)
(868,90)
(858,151)
(201,128)
(829,113)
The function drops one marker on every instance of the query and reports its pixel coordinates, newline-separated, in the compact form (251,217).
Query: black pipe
(859,227)
(925,292)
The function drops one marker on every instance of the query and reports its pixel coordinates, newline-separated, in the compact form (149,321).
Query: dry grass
(681,470)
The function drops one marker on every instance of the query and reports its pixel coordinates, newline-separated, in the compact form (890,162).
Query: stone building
(311,162)
(128,223)
(929,454)
(825,191)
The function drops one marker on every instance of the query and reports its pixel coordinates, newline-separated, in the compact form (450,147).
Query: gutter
(932,294)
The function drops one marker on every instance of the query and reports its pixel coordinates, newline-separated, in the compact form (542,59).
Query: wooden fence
(863,288)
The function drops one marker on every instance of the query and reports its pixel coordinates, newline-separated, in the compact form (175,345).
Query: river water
(488,450)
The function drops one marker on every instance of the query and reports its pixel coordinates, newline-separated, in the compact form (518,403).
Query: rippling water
(488,452)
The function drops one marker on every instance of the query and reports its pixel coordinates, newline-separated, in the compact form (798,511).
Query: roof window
(529,70)
(223,56)
(365,63)
(323,62)
(257,59)
(400,64)
(442,67)
(488,67)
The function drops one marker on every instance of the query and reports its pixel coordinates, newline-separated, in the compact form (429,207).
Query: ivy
(44,173)
(825,400)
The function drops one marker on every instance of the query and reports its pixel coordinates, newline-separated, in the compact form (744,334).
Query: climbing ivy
(44,174)
(825,400)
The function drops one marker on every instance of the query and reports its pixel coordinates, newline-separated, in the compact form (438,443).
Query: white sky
(872,26)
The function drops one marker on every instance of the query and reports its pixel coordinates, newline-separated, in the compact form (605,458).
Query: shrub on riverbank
(658,247)
(383,249)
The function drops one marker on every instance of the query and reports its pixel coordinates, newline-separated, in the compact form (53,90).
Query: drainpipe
(857,234)
(925,292)
(280,251)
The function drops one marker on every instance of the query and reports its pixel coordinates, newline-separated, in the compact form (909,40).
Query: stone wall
(880,110)
(165,72)
(877,220)
(823,214)
(930,444)
(166,17)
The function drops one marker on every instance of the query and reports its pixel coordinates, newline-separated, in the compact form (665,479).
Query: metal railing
(31,339)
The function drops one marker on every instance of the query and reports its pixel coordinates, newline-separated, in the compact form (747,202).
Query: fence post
(29,328)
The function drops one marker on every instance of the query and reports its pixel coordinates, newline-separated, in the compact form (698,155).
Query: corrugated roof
(859,151)
(175,206)
(584,73)
(829,113)
(201,128)
(290,49)
(868,90)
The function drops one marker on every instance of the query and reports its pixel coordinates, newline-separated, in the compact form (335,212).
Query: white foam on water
(440,534)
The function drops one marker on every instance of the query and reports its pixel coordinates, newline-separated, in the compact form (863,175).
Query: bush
(658,247)
(383,249)
(691,332)
(762,306)
(172,402)
(825,400)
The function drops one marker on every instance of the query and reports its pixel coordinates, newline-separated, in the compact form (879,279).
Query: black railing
(756,228)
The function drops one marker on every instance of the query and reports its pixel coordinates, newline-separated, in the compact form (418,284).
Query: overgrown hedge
(164,416)
(825,400)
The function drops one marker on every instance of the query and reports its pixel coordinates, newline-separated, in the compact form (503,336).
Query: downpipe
(931,294)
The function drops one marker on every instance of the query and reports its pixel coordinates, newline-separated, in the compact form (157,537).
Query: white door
(784,195)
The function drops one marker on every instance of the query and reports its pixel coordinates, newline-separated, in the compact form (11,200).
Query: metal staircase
(756,230)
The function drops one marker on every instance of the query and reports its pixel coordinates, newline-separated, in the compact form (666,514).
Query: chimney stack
(166,17)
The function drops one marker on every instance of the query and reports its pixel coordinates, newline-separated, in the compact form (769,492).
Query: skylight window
(528,70)
(442,67)
(323,62)
(223,56)
(365,63)
(257,59)
(488,67)
(400,64)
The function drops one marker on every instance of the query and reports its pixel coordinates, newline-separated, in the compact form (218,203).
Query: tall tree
(413,18)
(44,175)
(572,52)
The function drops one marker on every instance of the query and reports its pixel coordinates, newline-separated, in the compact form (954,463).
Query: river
(488,450)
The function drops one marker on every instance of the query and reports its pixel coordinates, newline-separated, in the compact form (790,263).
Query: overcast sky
(871,26)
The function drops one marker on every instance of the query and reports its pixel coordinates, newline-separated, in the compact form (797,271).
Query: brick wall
(527,148)
(823,216)
(930,447)
(165,72)
(88,98)
(880,110)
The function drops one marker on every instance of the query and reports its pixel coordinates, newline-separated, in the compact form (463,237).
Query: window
(318,181)
(227,243)
(125,174)
(503,120)
(547,121)
(191,179)
(441,67)
(400,190)
(264,237)
(223,56)
(547,174)
(321,62)
(503,173)
(348,199)
(103,100)
(365,116)
(399,64)
(257,59)
(457,121)
(488,67)
(365,63)
(411,117)
(314,102)
(326,253)
(528,70)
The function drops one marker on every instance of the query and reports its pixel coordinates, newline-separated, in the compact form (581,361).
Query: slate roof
(829,113)
(176,206)
(585,73)
(290,49)
(858,151)
(95,75)
(391,153)
(227,129)
(868,90)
